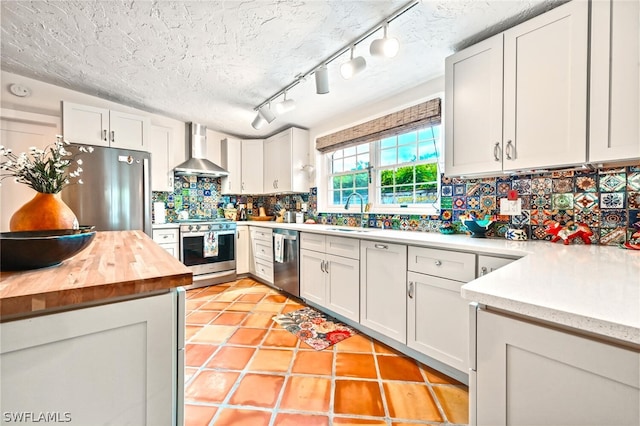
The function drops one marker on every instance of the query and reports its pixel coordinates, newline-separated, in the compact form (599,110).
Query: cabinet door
(343,286)
(529,374)
(85,124)
(473,103)
(231,151)
(545,95)
(110,364)
(128,131)
(487,264)
(438,319)
(312,276)
(615,81)
(242,250)
(299,157)
(277,166)
(252,160)
(160,147)
(383,299)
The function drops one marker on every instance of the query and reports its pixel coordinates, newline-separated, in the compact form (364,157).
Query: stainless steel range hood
(197,164)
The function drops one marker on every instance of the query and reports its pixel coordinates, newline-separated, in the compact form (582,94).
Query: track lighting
(353,67)
(385,47)
(322,80)
(265,115)
(286,105)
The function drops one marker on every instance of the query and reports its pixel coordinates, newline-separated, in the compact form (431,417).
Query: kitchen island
(98,339)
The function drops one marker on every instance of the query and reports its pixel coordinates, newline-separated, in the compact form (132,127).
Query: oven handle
(201,234)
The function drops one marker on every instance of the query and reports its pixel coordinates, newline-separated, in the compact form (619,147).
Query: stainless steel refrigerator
(116,193)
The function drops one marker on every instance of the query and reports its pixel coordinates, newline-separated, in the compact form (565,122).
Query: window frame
(324,185)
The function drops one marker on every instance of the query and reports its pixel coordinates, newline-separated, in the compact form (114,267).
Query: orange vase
(44,211)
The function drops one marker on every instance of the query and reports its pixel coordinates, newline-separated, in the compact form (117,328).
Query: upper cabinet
(285,154)
(614,132)
(160,147)
(243,159)
(518,100)
(102,127)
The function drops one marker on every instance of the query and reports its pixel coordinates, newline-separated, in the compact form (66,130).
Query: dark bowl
(478,230)
(38,249)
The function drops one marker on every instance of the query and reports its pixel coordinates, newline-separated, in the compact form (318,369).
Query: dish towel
(210,244)
(278,248)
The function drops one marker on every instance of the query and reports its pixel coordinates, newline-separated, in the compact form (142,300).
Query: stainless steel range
(207,247)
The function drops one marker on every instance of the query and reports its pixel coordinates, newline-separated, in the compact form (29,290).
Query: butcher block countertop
(117,265)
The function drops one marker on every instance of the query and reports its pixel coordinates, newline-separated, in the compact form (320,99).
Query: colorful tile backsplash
(606,200)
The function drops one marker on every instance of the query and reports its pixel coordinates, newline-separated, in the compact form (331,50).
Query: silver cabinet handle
(411,289)
(165,236)
(113,136)
(104,135)
(438,263)
(496,151)
(483,271)
(326,266)
(238,235)
(242,186)
(322,265)
(510,148)
(381,246)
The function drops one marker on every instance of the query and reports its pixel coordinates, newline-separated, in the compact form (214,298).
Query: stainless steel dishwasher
(286,258)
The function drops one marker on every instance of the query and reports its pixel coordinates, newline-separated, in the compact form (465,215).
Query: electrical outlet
(510,207)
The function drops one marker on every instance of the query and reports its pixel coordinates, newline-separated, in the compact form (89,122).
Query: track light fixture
(322,80)
(385,47)
(354,66)
(286,105)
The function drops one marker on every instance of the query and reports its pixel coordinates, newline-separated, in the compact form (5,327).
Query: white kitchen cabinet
(526,373)
(285,154)
(103,127)
(243,159)
(330,273)
(118,363)
(161,147)
(383,294)
(487,264)
(252,166)
(614,108)
(542,98)
(262,249)
(243,250)
(168,239)
(437,316)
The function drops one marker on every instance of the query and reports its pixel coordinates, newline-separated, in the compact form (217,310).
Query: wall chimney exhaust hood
(197,164)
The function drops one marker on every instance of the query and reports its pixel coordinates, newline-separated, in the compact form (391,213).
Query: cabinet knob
(438,263)
(483,271)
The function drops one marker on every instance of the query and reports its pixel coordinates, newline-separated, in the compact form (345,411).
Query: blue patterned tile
(633,199)
(612,200)
(459,190)
(612,236)
(541,186)
(612,182)
(539,201)
(523,186)
(446,190)
(473,203)
(459,203)
(613,218)
(586,200)
(521,219)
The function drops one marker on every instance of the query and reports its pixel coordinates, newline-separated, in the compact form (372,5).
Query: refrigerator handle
(146,187)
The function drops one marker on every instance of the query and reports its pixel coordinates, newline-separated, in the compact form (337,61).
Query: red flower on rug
(337,336)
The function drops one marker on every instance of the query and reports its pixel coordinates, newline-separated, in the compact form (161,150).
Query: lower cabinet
(243,250)
(330,280)
(383,294)
(119,363)
(168,239)
(262,250)
(526,373)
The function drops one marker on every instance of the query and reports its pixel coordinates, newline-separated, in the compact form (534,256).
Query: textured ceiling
(214,61)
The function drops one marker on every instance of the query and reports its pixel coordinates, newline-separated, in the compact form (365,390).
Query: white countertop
(592,288)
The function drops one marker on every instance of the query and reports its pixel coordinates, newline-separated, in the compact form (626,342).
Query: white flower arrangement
(45,171)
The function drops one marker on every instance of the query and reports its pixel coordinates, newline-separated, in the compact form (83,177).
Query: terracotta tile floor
(244,369)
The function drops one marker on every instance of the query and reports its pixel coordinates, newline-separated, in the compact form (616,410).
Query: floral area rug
(316,329)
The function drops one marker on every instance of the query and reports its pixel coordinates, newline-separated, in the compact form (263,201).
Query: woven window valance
(412,118)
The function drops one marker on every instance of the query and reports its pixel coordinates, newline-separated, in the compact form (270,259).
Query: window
(398,172)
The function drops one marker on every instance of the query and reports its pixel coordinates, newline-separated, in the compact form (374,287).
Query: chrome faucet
(346,206)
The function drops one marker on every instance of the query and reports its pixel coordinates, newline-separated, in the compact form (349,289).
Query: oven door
(193,255)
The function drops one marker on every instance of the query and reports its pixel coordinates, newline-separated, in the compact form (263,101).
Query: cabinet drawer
(452,265)
(315,242)
(345,247)
(262,234)
(262,250)
(264,270)
(165,236)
